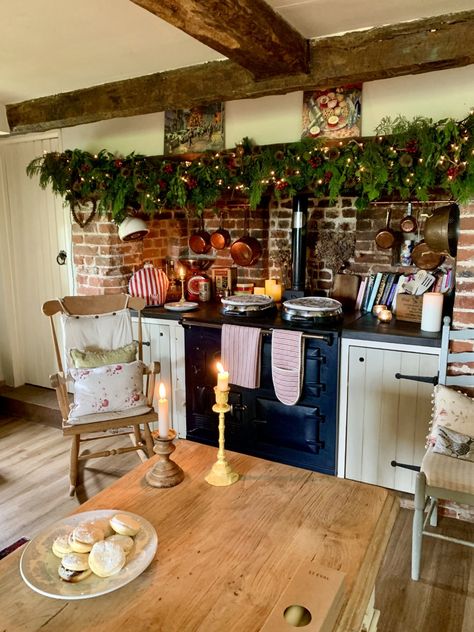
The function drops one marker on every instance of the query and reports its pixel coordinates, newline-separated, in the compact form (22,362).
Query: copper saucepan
(220,238)
(425,258)
(385,238)
(408,224)
(200,241)
(247,250)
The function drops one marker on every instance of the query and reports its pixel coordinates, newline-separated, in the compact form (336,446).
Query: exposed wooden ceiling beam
(409,48)
(248,32)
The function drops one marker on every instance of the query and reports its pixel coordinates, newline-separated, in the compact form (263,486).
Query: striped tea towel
(240,355)
(287,365)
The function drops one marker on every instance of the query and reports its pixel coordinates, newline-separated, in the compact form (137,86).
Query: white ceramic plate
(181,307)
(39,565)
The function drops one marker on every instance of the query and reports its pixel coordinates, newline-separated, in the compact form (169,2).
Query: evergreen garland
(407,159)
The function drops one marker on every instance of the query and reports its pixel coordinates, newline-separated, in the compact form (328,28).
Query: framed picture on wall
(195,130)
(333,113)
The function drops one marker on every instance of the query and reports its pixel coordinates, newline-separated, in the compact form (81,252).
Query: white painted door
(34,228)
(387,418)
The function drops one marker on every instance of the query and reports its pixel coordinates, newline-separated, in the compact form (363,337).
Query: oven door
(259,424)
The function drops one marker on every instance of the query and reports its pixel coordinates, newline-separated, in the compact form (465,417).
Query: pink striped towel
(287,366)
(240,355)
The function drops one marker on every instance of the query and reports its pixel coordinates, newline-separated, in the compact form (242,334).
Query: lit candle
(222,378)
(432,311)
(182,273)
(163,416)
(384,315)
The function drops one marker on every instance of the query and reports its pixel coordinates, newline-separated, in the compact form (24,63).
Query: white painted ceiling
(53,46)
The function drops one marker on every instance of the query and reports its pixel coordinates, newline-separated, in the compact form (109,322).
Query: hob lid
(249,301)
(313,305)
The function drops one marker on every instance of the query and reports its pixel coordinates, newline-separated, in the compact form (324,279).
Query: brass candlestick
(183,298)
(221,473)
(165,472)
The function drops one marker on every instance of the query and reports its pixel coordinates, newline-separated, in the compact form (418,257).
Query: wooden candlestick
(165,472)
(221,473)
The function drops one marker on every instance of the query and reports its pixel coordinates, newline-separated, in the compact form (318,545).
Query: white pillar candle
(222,378)
(432,311)
(163,413)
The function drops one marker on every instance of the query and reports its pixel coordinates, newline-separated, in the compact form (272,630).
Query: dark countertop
(367,327)
(354,325)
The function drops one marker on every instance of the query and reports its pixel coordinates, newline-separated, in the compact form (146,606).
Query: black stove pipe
(298,243)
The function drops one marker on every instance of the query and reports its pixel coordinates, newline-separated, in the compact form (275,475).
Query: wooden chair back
(447,356)
(88,306)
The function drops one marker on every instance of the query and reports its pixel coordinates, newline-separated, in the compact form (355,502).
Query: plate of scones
(89,554)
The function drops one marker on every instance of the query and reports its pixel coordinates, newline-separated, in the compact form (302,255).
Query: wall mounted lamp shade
(132,229)
(4,126)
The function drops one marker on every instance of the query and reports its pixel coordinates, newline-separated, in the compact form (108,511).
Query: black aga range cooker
(304,434)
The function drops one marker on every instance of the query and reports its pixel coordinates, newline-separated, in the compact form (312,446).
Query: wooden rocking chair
(77,306)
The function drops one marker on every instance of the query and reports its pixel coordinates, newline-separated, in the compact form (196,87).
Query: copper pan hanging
(408,224)
(247,250)
(220,238)
(425,258)
(385,237)
(200,241)
(441,229)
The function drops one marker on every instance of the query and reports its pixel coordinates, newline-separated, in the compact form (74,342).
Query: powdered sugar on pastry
(61,546)
(124,524)
(125,541)
(106,558)
(83,537)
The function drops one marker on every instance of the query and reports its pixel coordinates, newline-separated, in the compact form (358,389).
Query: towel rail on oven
(264,332)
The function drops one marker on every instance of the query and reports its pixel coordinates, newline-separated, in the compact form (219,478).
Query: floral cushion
(104,389)
(452,443)
(453,410)
(92,359)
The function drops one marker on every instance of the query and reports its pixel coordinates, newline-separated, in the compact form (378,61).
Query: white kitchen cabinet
(163,341)
(383,418)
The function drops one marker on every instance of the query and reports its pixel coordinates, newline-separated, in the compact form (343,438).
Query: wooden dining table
(225,554)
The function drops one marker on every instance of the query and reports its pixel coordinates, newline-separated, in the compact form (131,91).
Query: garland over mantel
(407,159)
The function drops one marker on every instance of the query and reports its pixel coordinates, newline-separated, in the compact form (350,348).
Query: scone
(125,541)
(61,546)
(104,525)
(106,558)
(74,567)
(84,536)
(124,524)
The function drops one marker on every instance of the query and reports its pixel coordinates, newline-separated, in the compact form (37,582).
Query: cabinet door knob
(145,343)
(361,359)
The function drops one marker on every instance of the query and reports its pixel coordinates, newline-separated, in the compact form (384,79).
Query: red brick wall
(104,263)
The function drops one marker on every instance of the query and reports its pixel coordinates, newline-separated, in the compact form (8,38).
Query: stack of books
(381,288)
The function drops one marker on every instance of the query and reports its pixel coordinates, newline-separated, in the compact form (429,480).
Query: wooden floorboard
(444,596)
(34,483)
(34,493)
